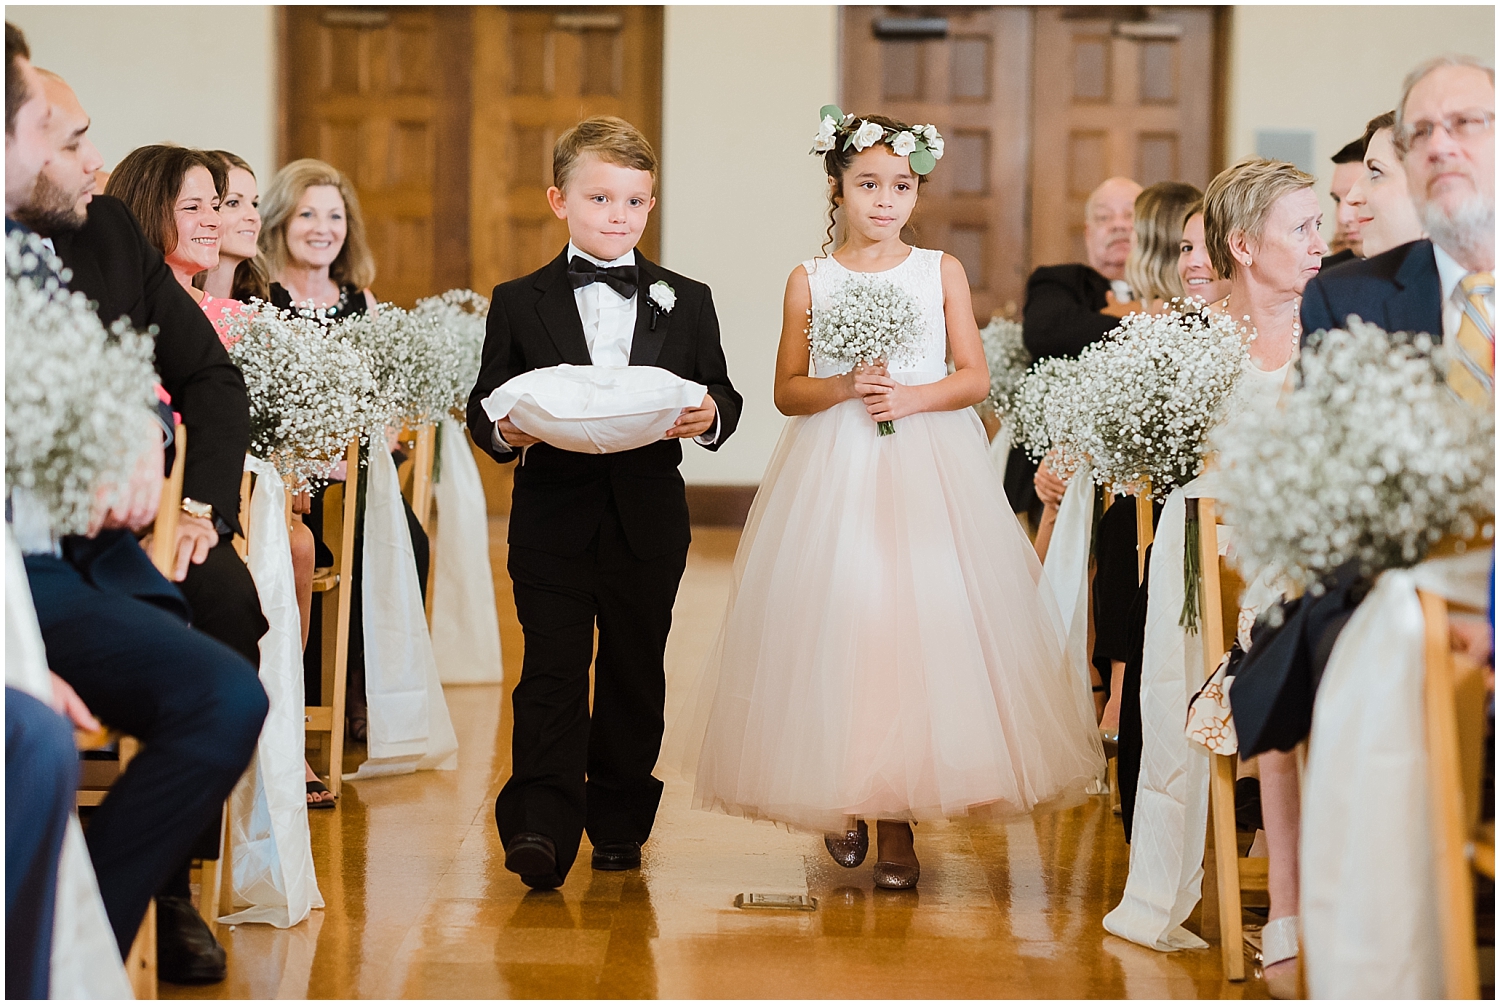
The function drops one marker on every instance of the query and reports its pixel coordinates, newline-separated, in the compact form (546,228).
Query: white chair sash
(1171,802)
(1368,880)
(85,959)
(1000,448)
(273,880)
(1067,569)
(409,726)
(465,627)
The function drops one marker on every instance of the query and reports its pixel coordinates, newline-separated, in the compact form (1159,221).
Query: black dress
(351,301)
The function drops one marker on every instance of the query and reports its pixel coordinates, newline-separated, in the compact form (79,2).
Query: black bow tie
(620,278)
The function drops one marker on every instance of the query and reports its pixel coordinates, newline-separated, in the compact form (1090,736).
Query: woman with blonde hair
(1151,269)
(313,241)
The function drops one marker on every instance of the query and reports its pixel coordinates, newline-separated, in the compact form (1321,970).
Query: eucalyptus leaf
(921,160)
(833,110)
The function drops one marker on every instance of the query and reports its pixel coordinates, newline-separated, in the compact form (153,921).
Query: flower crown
(922,146)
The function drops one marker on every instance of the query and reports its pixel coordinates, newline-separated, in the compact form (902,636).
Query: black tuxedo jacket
(560,496)
(1399,290)
(115,266)
(1061,315)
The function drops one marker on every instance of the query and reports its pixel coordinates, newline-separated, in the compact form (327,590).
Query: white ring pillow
(594,409)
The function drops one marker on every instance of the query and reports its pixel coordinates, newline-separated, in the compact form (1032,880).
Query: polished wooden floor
(419,905)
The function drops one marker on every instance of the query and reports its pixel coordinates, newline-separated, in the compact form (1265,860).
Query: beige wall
(202,75)
(741,201)
(1332,69)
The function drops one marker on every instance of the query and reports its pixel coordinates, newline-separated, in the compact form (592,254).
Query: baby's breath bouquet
(1048,411)
(1007,358)
(871,320)
(310,393)
(1371,459)
(79,405)
(461,315)
(1153,388)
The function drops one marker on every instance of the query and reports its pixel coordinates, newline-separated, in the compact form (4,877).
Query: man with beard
(1444,285)
(1069,306)
(115,628)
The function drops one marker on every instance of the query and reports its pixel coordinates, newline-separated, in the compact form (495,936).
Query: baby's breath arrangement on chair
(461,314)
(1048,411)
(1371,459)
(310,393)
(1007,358)
(79,406)
(871,320)
(1154,387)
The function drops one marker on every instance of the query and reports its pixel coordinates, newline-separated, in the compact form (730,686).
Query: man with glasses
(1444,285)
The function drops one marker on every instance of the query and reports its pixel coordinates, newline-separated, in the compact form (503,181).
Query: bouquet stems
(885,428)
(1192,570)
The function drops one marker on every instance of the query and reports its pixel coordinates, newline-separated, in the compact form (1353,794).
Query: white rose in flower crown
(934,141)
(903,144)
(868,134)
(827,131)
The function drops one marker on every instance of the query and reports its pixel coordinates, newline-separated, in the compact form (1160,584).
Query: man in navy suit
(1445,134)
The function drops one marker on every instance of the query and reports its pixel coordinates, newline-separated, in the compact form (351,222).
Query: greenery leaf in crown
(922,146)
(1371,458)
(79,401)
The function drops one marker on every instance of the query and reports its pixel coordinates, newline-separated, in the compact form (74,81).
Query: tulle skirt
(890,649)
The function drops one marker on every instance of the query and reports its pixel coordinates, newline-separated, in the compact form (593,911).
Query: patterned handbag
(1210,724)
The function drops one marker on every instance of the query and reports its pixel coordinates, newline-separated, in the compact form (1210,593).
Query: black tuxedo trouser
(194,703)
(41,776)
(571,771)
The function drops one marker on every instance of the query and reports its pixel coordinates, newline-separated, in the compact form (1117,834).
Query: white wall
(1332,69)
(742,202)
(201,75)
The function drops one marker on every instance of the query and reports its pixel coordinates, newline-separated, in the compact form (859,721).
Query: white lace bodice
(921,276)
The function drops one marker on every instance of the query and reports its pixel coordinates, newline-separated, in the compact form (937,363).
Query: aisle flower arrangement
(461,315)
(871,320)
(1151,390)
(79,405)
(1047,412)
(1371,459)
(310,392)
(1007,358)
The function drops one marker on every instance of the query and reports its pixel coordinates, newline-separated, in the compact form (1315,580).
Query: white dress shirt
(608,328)
(1450,274)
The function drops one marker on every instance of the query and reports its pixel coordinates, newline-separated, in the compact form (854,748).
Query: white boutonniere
(663,296)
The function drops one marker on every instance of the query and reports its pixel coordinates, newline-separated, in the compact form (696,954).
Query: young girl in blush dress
(890,651)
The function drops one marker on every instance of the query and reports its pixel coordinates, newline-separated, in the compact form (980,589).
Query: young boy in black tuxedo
(595,539)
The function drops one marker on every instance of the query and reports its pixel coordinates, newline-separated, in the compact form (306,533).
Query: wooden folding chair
(1233,875)
(335,583)
(1454,699)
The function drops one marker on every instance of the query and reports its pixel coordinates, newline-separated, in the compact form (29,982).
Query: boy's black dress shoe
(534,858)
(186,951)
(617,856)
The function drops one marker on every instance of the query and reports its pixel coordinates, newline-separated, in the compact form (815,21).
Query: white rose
(663,296)
(869,133)
(826,132)
(934,143)
(903,143)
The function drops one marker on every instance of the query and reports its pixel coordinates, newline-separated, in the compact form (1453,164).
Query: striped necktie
(1471,370)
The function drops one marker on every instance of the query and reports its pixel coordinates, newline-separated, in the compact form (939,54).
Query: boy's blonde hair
(608,137)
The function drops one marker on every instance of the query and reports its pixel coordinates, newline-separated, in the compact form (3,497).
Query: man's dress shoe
(186,951)
(617,856)
(534,858)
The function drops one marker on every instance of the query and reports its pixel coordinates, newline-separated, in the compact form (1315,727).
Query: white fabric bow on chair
(465,627)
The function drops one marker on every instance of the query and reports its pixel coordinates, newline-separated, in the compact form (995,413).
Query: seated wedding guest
(315,254)
(1155,278)
(176,192)
(240,274)
(1380,198)
(1348,166)
(1069,306)
(1444,134)
(114,628)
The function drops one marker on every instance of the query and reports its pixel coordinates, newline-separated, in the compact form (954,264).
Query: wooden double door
(1038,105)
(444,117)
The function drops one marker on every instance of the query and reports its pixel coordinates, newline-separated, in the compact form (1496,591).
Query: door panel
(537,72)
(1038,105)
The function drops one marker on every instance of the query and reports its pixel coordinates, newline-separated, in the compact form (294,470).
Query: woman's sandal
(317,788)
(1279,944)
